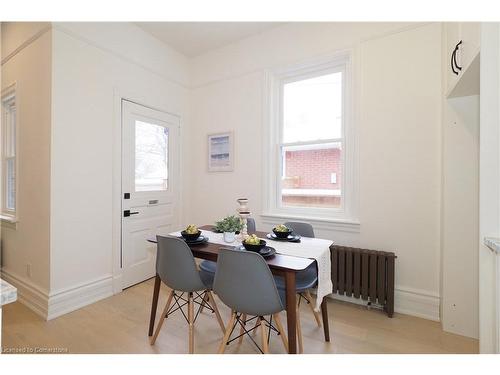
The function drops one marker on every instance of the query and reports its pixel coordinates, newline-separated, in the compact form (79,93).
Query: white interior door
(150,166)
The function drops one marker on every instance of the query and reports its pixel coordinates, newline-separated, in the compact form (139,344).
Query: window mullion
(315,142)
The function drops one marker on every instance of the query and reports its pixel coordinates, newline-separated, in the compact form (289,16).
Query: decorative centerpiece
(229,226)
(243,204)
(243,218)
(243,212)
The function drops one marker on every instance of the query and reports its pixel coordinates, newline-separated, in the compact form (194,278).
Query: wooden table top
(210,251)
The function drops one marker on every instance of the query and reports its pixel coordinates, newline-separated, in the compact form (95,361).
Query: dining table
(283,265)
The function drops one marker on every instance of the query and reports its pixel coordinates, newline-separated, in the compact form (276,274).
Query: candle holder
(243,216)
(243,202)
(243,213)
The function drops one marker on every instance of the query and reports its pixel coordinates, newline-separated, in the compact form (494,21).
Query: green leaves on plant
(229,224)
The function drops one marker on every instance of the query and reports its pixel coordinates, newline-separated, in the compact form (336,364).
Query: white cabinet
(452,31)
(463,41)
(490,296)
(489,191)
(470,34)
(459,169)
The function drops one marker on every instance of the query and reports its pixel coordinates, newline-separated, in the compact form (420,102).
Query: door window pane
(151,157)
(312,176)
(312,109)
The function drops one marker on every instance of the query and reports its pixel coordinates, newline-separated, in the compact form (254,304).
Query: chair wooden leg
(311,305)
(299,332)
(263,332)
(281,330)
(229,327)
(191,322)
(214,306)
(257,322)
(162,318)
(242,330)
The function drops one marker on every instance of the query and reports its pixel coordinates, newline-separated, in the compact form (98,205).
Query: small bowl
(254,248)
(282,234)
(190,236)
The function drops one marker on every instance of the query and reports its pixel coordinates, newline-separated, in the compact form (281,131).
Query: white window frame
(343,218)
(9,98)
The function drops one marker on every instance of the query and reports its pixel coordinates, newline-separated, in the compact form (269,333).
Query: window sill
(321,223)
(8,221)
(311,193)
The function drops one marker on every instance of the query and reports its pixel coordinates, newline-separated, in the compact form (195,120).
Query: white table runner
(313,248)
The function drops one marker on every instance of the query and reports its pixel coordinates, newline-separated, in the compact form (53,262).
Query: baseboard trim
(51,305)
(117,284)
(421,304)
(418,303)
(74,298)
(29,294)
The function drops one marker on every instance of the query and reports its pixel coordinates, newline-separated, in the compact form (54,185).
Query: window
(311,170)
(9,151)
(311,148)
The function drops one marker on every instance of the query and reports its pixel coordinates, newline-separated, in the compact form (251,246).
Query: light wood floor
(119,325)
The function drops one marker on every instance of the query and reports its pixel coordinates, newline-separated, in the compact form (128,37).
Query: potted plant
(229,226)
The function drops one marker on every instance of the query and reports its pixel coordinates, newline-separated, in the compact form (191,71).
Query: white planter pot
(229,237)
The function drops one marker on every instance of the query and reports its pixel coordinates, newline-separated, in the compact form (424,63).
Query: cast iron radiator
(366,274)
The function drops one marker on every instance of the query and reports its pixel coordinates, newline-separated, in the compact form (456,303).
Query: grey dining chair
(300,228)
(244,283)
(306,279)
(251,225)
(211,267)
(176,267)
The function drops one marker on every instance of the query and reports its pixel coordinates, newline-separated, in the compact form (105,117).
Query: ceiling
(195,38)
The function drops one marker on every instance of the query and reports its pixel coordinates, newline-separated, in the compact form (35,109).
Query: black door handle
(455,56)
(127,213)
(454,63)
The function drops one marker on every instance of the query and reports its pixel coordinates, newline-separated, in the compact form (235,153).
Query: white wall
(27,242)
(132,45)
(282,45)
(68,110)
(398,101)
(92,65)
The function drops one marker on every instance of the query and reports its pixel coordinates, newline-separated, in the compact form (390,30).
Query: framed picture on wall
(220,152)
